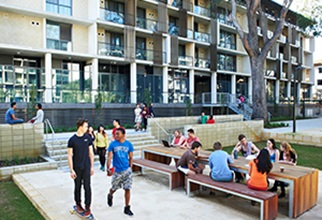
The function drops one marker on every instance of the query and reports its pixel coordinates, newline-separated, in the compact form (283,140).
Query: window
(63,7)
(226,62)
(228,40)
(173,25)
(58,36)
(320,82)
(320,69)
(178,81)
(223,16)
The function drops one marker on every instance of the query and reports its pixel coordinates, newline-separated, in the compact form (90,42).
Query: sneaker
(109,200)
(127,211)
(79,208)
(102,168)
(87,212)
(273,189)
(282,195)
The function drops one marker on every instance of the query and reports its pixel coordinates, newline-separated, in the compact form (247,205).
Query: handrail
(162,129)
(48,124)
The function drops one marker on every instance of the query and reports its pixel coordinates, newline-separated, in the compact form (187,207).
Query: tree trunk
(259,91)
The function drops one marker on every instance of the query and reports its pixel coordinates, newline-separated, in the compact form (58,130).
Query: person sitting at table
(272,149)
(218,163)
(258,170)
(246,148)
(288,156)
(191,139)
(178,139)
(187,163)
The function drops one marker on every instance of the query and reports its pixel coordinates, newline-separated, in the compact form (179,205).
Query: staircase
(244,108)
(56,148)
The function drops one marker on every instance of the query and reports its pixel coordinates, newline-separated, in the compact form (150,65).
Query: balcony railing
(203,37)
(224,19)
(148,24)
(110,49)
(112,16)
(59,44)
(177,3)
(185,60)
(142,54)
(173,30)
(202,63)
(201,11)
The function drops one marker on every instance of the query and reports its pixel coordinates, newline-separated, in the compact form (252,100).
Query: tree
(310,19)
(251,44)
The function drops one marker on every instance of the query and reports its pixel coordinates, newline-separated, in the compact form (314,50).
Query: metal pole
(295,97)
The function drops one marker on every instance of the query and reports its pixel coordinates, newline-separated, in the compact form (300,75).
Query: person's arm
(106,140)
(229,160)
(237,147)
(109,160)
(13,117)
(91,157)
(172,143)
(131,159)
(70,162)
(255,149)
(277,155)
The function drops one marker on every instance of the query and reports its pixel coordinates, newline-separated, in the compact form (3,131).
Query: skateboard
(81,215)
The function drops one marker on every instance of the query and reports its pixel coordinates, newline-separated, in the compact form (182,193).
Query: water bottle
(235,154)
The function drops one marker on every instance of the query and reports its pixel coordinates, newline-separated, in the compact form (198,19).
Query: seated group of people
(259,166)
(205,120)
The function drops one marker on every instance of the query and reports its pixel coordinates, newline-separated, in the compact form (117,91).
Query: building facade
(172,50)
(317,94)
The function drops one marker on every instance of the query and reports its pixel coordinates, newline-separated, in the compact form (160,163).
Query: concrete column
(288,92)
(250,89)
(92,39)
(213,87)
(48,78)
(165,92)
(94,69)
(192,85)
(233,85)
(133,86)
(277,91)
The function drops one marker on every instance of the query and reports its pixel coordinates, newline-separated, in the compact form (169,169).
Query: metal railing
(147,24)
(112,16)
(53,139)
(106,49)
(160,128)
(144,54)
(59,44)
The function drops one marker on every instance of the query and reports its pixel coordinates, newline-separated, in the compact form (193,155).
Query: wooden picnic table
(303,181)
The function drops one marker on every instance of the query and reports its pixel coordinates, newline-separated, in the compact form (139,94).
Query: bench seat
(176,178)
(268,200)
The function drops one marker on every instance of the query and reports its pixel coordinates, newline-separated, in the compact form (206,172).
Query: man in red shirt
(116,124)
(191,138)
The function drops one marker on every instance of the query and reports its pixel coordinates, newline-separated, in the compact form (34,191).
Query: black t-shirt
(80,150)
(293,156)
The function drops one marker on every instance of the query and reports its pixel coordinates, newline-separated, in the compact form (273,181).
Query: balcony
(173,30)
(147,24)
(200,36)
(59,44)
(112,16)
(201,11)
(202,63)
(185,60)
(177,3)
(142,54)
(110,50)
(283,38)
(224,19)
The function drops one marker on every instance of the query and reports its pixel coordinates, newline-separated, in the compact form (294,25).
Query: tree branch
(263,24)
(242,35)
(278,30)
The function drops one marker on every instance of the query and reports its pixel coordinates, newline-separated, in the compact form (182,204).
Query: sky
(318,40)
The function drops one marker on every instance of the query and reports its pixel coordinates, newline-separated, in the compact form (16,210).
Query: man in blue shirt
(10,115)
(218,162)
(121,151)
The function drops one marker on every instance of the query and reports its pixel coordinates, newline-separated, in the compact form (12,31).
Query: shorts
(183,169)
(123,178)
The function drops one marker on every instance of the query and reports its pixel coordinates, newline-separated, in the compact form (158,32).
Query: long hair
(273,143)
(288,149)
(103,132)
(264,164)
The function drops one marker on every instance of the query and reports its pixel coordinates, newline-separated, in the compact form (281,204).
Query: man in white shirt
(40,115)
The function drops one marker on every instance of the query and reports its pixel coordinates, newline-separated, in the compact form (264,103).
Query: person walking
(121,151)
(90,132)
(145,114)
(138,117)
(101,143)
(81,165)
(151,111)
(10,117)
(116,124)
(39,118)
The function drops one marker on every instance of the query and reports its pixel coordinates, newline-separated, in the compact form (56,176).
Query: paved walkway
(52,193)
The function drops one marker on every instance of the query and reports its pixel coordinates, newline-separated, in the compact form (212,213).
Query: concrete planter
(7,172)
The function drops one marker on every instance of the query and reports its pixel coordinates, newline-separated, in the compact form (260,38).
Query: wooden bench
(268,200)
(176,178)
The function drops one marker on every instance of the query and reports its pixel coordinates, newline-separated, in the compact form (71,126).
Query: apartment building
(317,92)
(70,50)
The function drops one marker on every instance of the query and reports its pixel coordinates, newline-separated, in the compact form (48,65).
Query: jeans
(17,121)
(83,176)
(101,151)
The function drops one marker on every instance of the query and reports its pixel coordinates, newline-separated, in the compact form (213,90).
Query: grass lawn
(308,156)
(14,204)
